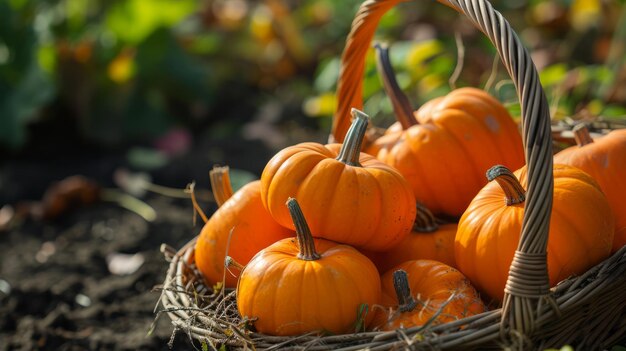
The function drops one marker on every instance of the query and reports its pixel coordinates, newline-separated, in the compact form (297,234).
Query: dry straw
(588,311)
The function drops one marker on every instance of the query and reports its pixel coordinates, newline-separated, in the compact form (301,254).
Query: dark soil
(56,290)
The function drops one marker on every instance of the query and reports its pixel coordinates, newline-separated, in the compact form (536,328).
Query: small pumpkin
(418,292)
(445,147)
(252,228)
(581,228)
(301,285)
(605,160)
(351,197)
(428,239)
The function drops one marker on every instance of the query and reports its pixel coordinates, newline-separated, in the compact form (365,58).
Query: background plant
(128,71)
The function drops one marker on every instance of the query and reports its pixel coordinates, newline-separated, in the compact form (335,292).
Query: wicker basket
(588,311)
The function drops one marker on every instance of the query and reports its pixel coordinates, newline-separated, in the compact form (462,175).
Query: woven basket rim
(603,282)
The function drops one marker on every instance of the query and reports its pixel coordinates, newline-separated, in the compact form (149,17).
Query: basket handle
(528,284)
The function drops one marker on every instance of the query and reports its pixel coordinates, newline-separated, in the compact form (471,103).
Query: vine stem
(306,244)
(514,191)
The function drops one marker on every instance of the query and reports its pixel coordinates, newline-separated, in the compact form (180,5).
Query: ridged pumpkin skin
(446,155)
(254,230)
(428,240)
(604,160)
(436,246)
(290,295)
(369,206)
(431,283)
(581,231)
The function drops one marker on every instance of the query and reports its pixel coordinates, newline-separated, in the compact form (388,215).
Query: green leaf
(163,63)
(391,19)
(18,4)
(614,111)
(362,311)
(76,12)
(134,20)
(553,74)
(564,348)
(47,58)
(24,86)
(423,51)
(146,159)
(206,43)
(239,178)
(327,75)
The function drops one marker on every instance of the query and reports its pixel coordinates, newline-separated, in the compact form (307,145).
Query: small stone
(83,300)
(124,264)
(5,287)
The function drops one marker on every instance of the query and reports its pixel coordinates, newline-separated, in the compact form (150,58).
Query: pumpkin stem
(513,190)
(306,244)
(230,262)
(581,135)
(351,148)
(400,102)
(220,184)
(406,302)
(425,221)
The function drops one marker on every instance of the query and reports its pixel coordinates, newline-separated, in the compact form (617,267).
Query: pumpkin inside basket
(588,311)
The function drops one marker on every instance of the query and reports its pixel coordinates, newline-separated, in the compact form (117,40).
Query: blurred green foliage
(24,86)
(131,70)
(579,47)
(116,67)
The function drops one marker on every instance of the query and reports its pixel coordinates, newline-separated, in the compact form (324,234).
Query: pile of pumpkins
(339,240)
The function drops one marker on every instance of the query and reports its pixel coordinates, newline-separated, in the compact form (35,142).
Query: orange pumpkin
(252,228)
(297,286)
(605,161)
(428,240)
(445,148)
(352,197)
(424,291)
(581,228)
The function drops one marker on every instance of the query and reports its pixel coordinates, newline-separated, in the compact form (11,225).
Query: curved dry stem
(460,59)
(400,102)
(513,190)
(306,244)
(351,148)
(197,209)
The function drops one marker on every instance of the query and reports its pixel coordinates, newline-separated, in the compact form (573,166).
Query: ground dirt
(56,289)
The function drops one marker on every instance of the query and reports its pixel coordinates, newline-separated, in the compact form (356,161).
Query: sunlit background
(140,94)
(111,73)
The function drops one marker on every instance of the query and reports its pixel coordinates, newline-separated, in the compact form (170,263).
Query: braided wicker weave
(587,311)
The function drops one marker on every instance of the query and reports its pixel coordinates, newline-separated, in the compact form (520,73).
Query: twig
(190,190)
(459,60)
(130,203)
(493,75)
